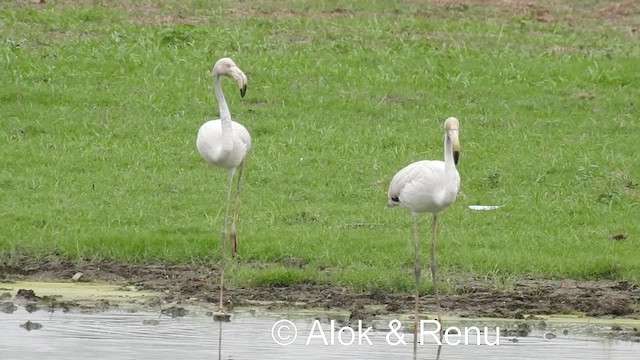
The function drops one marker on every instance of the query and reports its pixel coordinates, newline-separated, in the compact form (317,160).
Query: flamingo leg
(434,277)
(236,214)
(223,240)
(416,272)
(432,264)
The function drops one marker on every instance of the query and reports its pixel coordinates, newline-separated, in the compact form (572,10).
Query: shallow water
(124,335)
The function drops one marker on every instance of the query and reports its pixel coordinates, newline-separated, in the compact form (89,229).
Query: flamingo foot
(221,316)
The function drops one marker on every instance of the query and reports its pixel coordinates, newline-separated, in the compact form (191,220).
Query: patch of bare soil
(617,10)
(139,11)
(622,14)
(182,283)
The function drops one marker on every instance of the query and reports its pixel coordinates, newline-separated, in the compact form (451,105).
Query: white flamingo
(428,186)
(224,143)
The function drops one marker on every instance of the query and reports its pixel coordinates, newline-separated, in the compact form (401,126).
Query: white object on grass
(484,207)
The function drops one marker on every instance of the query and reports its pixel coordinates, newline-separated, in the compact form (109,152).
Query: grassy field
(100,102)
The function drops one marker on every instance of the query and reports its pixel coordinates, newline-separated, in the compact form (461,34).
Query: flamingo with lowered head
(224,143)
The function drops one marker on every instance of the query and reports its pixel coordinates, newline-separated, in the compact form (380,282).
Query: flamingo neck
(225,118)
(449,163)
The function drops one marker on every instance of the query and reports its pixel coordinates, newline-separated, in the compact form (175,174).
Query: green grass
(99,107)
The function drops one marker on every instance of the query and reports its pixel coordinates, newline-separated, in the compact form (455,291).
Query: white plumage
(424,186)
(428,186)
(210,139)
(225,143)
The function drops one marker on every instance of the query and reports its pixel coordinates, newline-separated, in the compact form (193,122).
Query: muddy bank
(182,283)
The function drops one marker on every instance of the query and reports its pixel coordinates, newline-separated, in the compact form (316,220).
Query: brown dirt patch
(616,10)
(528,296)
(155,18)
(618,14)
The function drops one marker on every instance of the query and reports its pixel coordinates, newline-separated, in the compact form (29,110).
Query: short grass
(100,102)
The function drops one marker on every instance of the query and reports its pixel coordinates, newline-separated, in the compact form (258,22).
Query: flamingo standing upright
(428,186)
(225,143)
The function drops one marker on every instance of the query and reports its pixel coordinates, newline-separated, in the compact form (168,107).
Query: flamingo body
(424,186)
(209,142)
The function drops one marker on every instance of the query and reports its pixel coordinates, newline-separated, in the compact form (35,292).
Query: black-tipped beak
(456,156)
(243,90)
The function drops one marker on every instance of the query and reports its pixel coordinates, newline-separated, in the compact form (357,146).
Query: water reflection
(121,335)
(219,340)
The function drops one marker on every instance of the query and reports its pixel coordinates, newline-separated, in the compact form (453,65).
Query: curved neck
(225,118)
(449,164)
(222,103)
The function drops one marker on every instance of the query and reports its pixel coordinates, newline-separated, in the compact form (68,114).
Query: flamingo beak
(455,145)
(241,79)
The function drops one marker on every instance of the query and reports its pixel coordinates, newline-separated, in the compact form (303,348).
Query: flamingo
(224,143)
(428,186)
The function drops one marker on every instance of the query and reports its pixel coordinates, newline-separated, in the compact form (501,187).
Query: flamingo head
(451,129)
(226,67)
